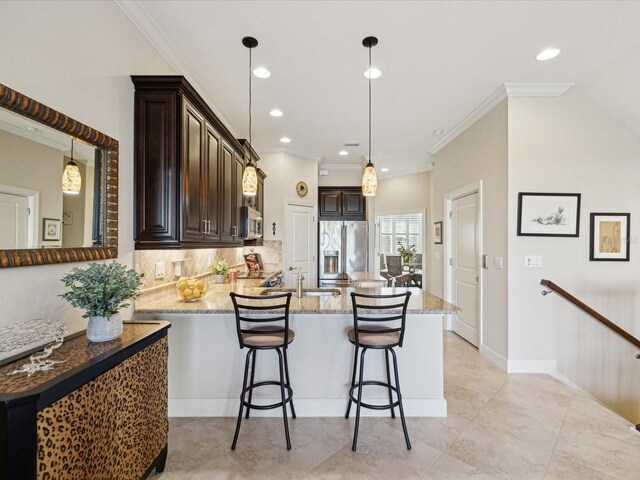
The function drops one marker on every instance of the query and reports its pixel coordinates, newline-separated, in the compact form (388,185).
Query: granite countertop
(217,300)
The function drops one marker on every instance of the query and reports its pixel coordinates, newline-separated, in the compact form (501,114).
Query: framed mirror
(58,186)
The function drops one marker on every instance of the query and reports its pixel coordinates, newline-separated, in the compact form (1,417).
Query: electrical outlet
(533,261)
(160,270)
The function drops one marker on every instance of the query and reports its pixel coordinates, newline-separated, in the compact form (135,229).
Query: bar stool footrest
(384,406)
(270,406)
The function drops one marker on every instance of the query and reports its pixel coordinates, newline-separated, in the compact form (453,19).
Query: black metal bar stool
(381,332)
(274,334)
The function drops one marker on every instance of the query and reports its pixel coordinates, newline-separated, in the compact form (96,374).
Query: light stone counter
(217,300)
(206,363)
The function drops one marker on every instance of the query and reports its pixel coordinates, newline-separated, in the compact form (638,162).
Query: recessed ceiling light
(548,54)
(285,140)
(276,113)
(384,169)
(372,72)
(438,132)
(31,129)
(343,153)
(261,72)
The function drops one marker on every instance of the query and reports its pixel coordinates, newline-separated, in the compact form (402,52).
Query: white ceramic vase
(103,329)
(220,278)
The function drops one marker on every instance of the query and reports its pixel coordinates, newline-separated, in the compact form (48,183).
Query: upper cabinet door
(193,176)
(238,196)
(330,203)
(213,167)
(227,187)
(156,168)
(353,203)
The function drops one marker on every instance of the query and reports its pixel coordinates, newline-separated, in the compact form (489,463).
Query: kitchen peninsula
(205,363)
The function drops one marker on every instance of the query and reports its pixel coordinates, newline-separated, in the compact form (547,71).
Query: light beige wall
(409,192)
(31,165)
(284,171)
(342,178)
(566,144)
(69,60)
(479,154)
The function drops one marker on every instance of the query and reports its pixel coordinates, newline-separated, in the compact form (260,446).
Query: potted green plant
(219,268)
(101,290)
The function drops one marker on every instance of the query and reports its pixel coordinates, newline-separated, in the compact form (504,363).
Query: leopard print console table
(101,416)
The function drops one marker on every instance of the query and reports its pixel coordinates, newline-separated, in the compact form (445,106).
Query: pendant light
(71,178)
(369,177)
(250,176)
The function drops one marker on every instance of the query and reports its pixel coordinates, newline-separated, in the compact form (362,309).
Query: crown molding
(476,114)
(139,16)
(505,90)
(537,89)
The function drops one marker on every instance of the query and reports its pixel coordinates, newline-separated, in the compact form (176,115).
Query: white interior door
(14,221)
(465,278)
(299,244)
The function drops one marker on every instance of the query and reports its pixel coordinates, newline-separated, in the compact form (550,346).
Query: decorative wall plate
(302,189)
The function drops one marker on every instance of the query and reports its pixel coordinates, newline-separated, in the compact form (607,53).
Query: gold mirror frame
(19,103)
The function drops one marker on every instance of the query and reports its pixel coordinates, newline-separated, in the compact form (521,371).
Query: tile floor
(516,426)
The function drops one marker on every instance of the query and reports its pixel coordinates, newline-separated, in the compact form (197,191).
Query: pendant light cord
(250,65)
(369,103)
(72,149)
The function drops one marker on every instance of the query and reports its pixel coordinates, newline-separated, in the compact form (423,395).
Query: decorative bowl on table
(191,289)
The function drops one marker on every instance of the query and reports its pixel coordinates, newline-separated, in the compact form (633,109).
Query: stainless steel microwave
(251,228)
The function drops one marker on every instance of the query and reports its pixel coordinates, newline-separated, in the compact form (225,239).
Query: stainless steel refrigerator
(344,248)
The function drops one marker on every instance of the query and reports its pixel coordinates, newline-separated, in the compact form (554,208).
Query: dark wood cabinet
(346,203)
(188,169)
(330,203)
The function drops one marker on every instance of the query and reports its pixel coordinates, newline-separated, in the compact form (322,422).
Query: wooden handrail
(587,309)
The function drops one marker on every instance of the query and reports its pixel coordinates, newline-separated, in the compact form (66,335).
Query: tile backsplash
(195,263)
(271,253)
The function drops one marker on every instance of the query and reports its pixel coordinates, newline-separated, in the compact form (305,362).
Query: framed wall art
(548,214)
(609,239)
(437,233)
(51,229)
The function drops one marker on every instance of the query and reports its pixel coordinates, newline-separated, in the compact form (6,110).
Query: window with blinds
(405,229)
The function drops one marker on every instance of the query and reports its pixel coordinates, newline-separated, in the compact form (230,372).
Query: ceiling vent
(352,144)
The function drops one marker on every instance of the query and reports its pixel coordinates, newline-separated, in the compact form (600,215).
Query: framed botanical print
(51,229)
(548,214)
(609,239)
(437,233)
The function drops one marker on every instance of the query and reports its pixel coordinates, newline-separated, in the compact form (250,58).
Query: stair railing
(553,288)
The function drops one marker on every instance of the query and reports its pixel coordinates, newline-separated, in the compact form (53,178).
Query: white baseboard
(494,357)
(305,407)
(532,366)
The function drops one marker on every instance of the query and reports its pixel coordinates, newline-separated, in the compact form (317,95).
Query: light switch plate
(436,255)
(497,263)
(533,261)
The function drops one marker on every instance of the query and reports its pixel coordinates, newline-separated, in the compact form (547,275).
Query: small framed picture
(609,239)
(51,229)
(437,232)
(548,214)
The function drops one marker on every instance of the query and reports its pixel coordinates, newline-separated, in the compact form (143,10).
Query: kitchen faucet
(299,279)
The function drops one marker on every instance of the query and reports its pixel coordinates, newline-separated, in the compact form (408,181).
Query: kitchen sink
(306,292)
